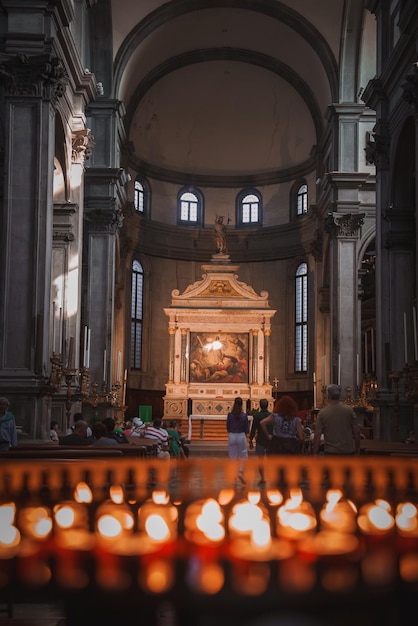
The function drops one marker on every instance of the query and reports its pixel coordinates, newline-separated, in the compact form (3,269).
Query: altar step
(209,430)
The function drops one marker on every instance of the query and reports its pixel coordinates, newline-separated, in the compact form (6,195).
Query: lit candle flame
(156,528)
(160,497)
(116,494)
(64,516)
(109,527)
(83,493)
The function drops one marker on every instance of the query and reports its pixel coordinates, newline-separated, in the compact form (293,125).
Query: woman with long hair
(238,426)
(288,434)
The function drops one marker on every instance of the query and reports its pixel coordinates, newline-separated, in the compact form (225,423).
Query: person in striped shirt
(161,436)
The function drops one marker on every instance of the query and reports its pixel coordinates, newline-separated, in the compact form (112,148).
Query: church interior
(206,199)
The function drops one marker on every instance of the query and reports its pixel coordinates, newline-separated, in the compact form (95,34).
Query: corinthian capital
(346,225)
(40,75)
(81,145)
(410,87)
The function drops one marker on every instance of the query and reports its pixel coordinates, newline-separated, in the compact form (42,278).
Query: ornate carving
(63,235)
(40,75)
(410,87)
(346,225)
(105,220)
(81,145)
(316,245)
(381,146)
(219,288)
(371,153)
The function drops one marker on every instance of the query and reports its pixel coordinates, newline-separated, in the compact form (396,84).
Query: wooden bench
(59,452)
(388,448)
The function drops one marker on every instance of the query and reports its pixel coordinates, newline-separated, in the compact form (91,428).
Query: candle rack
(75,384)
(333,560)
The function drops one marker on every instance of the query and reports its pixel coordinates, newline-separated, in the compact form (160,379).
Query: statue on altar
(220,234)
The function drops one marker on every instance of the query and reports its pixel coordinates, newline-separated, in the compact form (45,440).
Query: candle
(70,353)
(414,315)
(88,348)
(314,388)
(60,332)
(53,327)
(118,367)
(85,347)
(358,371)
(323,369)
(339,369)
(125,379)
(104,365)
(372,348)
(366,369)
(405,336)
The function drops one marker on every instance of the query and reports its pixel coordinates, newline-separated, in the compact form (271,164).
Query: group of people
(107,432)
(281,432)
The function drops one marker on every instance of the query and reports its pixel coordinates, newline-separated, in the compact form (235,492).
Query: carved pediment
(219,287)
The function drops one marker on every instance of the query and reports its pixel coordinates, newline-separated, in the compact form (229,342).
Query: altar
(219,345)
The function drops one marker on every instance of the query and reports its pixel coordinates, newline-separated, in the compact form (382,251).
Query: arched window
(249,208)
(136,314)
(302,200)
(141,196)
(301,318)
(190,207)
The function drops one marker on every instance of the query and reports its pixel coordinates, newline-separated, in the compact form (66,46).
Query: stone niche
(219,341)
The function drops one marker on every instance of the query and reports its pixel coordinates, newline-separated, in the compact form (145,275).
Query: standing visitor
(339,425)
(288,434)
(238,426)
(261,441)
(8,431)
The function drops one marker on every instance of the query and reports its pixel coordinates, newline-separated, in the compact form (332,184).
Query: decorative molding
(36,76)
(410,87)
(347,225)
(104,220)
(81,145)
(316,246)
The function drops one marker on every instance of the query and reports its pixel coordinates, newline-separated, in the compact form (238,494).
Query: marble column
(344,233)
(254,356)
(32,87)
(172,336)
(184,333)
(267,334)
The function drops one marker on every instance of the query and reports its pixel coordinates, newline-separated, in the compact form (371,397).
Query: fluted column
(184,332)
(254,376)
(267,334)
(172,334)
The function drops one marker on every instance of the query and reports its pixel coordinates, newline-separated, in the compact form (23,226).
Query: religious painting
(218,357)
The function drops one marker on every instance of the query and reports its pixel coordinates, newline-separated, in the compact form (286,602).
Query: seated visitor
(76,418)
(100,436)
(155,431)
(53,433)
(138,427)
(78,437)
(113,431)
(175,446)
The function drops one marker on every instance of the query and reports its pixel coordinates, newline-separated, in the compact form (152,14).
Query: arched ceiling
(218,88)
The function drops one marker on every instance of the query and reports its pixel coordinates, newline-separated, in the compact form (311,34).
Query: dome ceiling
(218,89)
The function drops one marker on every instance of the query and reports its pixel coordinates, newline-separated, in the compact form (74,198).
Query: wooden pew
(388,448)
(59,452)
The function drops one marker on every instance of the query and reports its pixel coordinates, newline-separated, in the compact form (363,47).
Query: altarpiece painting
(218,357)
